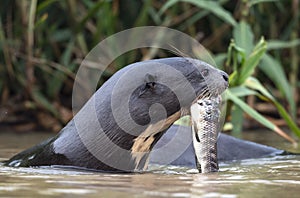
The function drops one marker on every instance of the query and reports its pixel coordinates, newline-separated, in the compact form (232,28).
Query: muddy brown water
(266,177)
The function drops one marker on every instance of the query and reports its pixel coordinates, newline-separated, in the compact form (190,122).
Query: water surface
(267,177)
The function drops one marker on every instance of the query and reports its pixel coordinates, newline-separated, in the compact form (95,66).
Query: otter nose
(225,76)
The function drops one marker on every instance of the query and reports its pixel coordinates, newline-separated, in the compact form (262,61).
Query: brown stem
(294,56)
(29,46)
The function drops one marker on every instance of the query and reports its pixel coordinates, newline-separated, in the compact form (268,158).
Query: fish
(205,117)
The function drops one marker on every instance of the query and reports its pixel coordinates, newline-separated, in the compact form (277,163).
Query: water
(266,177)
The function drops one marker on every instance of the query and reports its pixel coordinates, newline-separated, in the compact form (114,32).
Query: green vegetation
(43,42)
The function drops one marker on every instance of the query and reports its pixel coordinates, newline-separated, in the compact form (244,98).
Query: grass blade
(253,2)
(243,37)
(211,6)
(277,44)
(256,85)
(253,60)
(258,117)
(241,91)
(274,71)
(41,100)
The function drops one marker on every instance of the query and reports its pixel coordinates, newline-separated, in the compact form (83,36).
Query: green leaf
(233,79)
(257,116)
(143,14)
(256,85)
(167,6)
(184,121)
(61,35)
(193,19)
(40,20)
(274,71)
(250,111)
(211,6)
(237,119)
(277,44)
(40,99)
(253,2)
(234,54)
(91,12)
(241,51)
(243,36)
(55,84)
(292,125)
(220,59)
(252,61)
(45,4)
(241,91)
(253,83)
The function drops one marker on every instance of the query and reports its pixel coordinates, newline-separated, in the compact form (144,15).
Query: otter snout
(217,81)
(225,77)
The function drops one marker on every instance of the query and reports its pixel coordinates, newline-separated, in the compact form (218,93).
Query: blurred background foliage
(42,44)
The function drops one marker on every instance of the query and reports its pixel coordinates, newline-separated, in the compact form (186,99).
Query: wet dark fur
(67,147)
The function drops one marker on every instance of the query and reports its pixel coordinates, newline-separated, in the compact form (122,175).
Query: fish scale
(205,115)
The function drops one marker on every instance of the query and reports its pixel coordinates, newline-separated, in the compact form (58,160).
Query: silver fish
(205,115)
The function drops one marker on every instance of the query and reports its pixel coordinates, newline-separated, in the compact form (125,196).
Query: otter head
(160,88)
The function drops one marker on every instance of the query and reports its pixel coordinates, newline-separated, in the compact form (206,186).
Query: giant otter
(117,128)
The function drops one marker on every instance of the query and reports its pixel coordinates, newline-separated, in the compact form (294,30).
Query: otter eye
(204,72)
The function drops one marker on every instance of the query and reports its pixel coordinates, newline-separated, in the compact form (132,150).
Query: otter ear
(150,78)
(149,83)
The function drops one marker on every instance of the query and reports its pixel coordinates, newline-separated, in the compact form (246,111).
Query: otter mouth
(211,91)
(186,110)
(207,95)
(203,95)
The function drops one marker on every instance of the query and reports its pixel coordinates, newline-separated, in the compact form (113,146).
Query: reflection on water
(276,177)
